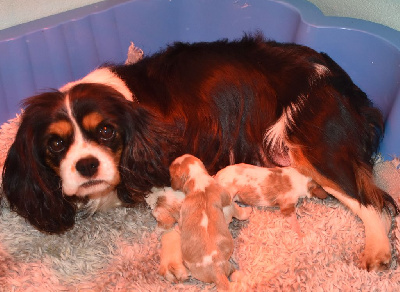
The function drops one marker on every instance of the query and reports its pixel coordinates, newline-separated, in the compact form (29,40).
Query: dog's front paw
(377,254)
(376,257)
(173,272)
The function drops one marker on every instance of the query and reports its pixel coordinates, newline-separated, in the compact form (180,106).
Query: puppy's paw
(377,257)
(174,272)
(241,213)
(237,276)
(171,263)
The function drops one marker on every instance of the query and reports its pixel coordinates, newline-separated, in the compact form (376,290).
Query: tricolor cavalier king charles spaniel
(109,138)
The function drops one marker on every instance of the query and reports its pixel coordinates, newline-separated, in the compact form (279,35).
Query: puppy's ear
(226,199)
(148,151)
(33,189)
(177,181)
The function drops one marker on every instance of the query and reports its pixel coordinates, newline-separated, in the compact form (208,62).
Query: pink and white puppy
(206,241)
(165,204)
(260,186)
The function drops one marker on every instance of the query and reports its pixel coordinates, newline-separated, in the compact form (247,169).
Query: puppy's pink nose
(87,166)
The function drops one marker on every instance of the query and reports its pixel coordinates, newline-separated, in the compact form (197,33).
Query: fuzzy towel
(118,250)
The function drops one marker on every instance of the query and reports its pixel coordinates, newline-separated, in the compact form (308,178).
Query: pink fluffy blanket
(119,250)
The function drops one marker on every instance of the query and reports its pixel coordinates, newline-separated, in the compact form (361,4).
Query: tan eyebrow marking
(61,128)
(91,121)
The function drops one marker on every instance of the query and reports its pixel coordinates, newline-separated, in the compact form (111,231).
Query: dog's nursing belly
(248,101)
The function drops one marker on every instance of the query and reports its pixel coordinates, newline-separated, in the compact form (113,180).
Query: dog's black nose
(87,166)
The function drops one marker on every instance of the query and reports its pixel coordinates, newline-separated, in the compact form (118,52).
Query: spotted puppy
(166,205)
(260,186)
(206,242)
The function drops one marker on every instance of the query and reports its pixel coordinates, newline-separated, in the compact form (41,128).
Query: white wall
(385,12)
(13,12)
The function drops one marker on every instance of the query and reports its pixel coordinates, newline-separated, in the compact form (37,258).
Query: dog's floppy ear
(147,154)
(32,189)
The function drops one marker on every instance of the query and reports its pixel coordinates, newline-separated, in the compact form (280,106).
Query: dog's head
(77,145)
(83,141)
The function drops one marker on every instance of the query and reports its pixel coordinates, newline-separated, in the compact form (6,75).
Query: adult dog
(111,136)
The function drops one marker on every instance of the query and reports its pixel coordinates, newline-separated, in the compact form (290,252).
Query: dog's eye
(56,144)
(106,132)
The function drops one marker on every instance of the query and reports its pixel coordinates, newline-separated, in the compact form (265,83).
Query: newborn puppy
(165,204)
(260,186)
(206,242)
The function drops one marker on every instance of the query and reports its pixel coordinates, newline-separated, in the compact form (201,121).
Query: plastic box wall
(53,51)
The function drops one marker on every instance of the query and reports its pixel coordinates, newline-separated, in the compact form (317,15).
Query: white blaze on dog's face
(84,147)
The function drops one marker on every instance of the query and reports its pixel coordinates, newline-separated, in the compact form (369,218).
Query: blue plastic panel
(53,51)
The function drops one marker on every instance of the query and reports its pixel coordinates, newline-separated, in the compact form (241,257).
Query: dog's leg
(171,262)
(377,253)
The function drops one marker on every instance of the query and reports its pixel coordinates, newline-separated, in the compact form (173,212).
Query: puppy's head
(188,173)
(69,144)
